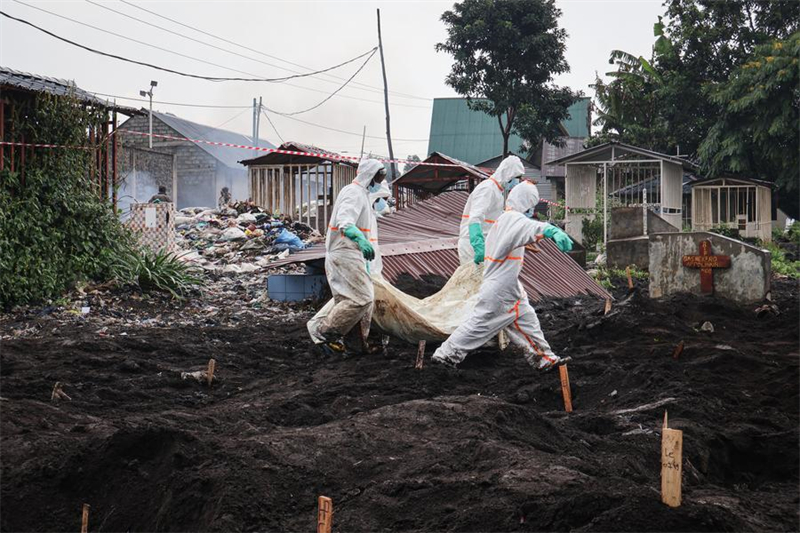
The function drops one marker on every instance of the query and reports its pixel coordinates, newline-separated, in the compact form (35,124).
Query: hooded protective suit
(376,265)
(502,301)
(485,205)
(345,265)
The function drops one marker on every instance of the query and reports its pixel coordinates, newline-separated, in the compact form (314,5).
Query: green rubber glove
(477,242)
(355,235)
(561,239)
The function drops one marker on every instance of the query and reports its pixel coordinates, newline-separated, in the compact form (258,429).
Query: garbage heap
(239,238)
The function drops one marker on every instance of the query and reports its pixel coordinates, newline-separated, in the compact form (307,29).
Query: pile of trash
(238,239)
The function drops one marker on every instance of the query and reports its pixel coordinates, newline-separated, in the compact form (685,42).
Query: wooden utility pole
(363,136)
(393,166)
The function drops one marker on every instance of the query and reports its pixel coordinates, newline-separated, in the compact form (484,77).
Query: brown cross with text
(706,262)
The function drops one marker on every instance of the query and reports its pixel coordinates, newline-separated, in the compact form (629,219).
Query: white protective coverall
(345,265)
(375,267)
(502,302)
(485,204)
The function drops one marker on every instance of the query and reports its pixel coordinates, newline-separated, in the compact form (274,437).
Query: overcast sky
(312,34)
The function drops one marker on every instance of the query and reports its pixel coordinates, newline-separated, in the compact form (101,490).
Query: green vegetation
(721,84)
(54,229)
(726,231)
(605,277)
(593,231)
(156,271)
(780,264)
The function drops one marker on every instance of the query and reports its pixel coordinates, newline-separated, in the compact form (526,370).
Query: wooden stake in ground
(565,390)
(678,350)
(608,306)
(671,464)
(85,518)
(324,514)
(58,393)
(628,273)
(212,365)
(420,355)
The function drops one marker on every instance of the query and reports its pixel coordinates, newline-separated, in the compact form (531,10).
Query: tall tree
(703,42)
(756,132)
(506,53)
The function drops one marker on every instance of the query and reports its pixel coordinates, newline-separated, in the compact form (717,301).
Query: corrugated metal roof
(274,158)
(423,239)
(55,86)
(230,157)
(605,151)
(435,179)
(474,136)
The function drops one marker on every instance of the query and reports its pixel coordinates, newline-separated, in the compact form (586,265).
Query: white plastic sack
(233,234)
(430,319)
(246,218)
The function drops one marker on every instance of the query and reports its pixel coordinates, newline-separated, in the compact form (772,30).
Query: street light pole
(149,93)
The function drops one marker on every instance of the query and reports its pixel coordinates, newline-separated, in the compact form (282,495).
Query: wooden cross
(706,262)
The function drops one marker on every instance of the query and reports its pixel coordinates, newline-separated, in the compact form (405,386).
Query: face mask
(379,205)
(375,187)
(529,213)
(512,183)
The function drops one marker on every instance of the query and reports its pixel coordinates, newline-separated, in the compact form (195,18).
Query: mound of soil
(487,447)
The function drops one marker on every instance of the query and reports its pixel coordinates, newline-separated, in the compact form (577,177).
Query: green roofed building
(474,136)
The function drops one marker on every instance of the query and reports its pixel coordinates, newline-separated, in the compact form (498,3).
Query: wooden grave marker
(671,464)
(565,389)
(324,514)
(212,365)
(706,262)
(420,356)
(85,518)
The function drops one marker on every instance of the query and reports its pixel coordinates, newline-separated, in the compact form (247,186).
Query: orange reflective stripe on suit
(536,349)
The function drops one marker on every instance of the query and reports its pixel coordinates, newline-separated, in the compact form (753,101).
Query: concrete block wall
(747,280)
(197,170)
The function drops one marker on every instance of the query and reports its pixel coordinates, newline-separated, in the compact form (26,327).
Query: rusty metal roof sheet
(435,179)
(423,239)
(58,87)
(274,158)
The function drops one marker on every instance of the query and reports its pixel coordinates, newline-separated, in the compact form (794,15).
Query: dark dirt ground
(487,447)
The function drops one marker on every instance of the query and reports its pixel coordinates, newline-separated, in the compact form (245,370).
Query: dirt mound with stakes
(487,447)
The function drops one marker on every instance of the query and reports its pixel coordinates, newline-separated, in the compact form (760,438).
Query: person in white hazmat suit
(380,207)
(484,207)
(502,302)
(348,249)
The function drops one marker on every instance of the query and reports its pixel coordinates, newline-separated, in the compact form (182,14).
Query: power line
(171,52)
(165,69)
(237,115)
(378,89)
(272,124)
(296,75)
(364,64)
(347,132)
(212,106)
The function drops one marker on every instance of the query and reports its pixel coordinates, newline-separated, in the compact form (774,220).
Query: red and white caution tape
(325,155)
(39,145)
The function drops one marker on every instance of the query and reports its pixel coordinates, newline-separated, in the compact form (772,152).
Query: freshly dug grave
(487,447)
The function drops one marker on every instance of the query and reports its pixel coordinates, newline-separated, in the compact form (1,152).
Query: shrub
(156,271)
(54,229)
(592,232)
(780,264)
